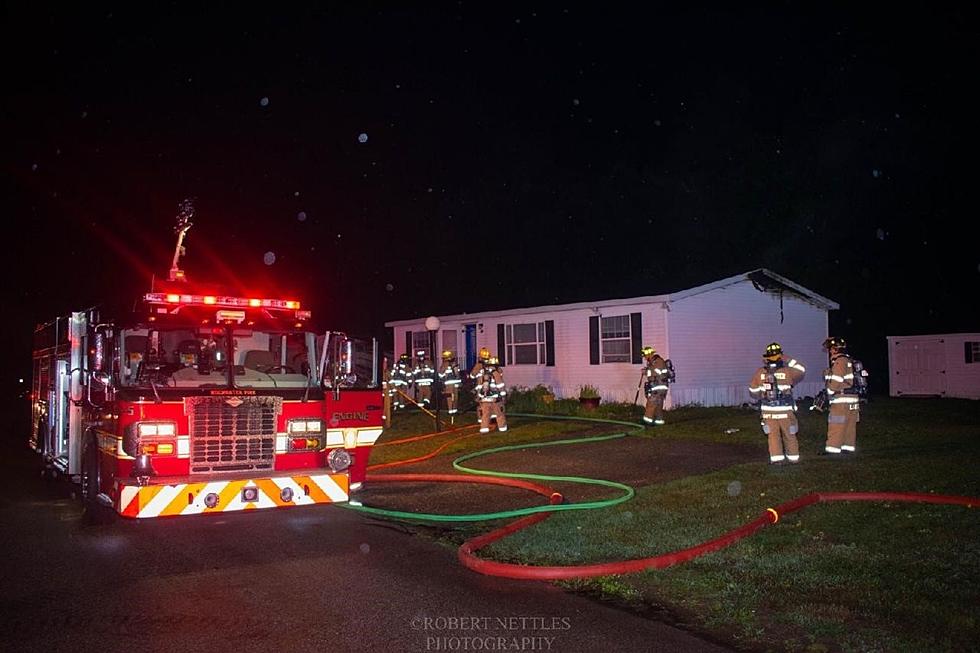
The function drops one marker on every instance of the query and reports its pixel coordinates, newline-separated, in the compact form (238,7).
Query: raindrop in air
(269,258)
(362,138)
(389,287)
(34,168)
(576,102)
(264,102)
(365,548)
(734,489)
(295,193)
(656,123)
(881,234)
(876,173)
(301,216)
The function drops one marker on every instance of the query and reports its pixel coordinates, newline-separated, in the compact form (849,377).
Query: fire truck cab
(200,402)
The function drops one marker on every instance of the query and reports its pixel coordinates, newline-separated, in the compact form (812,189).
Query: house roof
(763,279)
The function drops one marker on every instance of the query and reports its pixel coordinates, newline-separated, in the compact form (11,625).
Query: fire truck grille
(232,434)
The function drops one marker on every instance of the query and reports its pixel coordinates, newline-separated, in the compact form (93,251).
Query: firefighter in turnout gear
(772,386)
(449,375)
(423,375)
(846,383)
(657,375)
(398,381)
(490,392)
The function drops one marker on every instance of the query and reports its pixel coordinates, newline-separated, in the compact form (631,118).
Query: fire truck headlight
(339,460)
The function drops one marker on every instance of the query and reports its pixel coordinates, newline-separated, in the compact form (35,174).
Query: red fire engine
(200,402)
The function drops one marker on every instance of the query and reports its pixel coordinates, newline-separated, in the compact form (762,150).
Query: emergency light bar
(215,300)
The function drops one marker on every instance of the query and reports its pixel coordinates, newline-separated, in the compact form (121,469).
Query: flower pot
(589,403)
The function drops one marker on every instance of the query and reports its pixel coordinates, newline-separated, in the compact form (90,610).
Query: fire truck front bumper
(169,497)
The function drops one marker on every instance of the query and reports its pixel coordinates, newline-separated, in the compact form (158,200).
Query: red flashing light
(221,300)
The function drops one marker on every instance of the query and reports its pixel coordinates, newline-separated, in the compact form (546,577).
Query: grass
(834,577)
(849,577)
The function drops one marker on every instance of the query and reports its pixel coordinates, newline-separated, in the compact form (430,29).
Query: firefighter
(423,376)
(490,392)
(843,394)
(449,375)
(476,374)
(772,386)
(655,379)
(399,380)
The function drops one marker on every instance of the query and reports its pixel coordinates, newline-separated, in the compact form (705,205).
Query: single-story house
(715,335)
(946,365)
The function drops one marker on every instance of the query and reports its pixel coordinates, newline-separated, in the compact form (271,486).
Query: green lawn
(842,576)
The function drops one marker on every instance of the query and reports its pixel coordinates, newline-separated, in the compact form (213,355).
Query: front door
(470,346)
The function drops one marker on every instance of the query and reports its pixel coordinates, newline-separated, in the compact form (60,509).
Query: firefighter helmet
(420,353)
(834,343)
(774,351)
(404,358)
(648,351)
(448,355)
(484,353)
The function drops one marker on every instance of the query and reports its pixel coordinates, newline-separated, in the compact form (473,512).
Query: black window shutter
(549,343)
(636,337)
(501,352)
(594,340)
(408,344)
(967,352)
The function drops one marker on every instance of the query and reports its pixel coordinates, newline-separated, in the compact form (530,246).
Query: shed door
(920,367)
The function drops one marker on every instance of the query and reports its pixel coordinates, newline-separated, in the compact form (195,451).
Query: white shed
(935,365)
(715,335)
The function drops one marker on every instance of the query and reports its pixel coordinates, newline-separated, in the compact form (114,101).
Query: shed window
(971,351)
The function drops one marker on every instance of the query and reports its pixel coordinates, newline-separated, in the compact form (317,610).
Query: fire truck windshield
(217,357)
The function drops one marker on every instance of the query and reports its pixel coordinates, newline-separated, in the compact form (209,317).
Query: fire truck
(203,402)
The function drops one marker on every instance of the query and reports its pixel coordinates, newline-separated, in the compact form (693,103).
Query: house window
(615,339)
(420,340)
(449,341)
(972,351)
(525,344)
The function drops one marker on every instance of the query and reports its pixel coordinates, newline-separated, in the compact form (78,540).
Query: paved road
(305,579)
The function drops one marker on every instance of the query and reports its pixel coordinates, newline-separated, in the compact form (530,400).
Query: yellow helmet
(774,351)
(447,355)
(484,353)
(648,351)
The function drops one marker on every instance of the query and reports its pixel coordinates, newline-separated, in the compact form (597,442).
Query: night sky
(399,162)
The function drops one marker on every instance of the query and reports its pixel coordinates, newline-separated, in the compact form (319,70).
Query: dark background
(515,154)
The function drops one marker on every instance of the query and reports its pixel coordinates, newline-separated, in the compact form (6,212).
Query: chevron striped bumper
(221,496)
